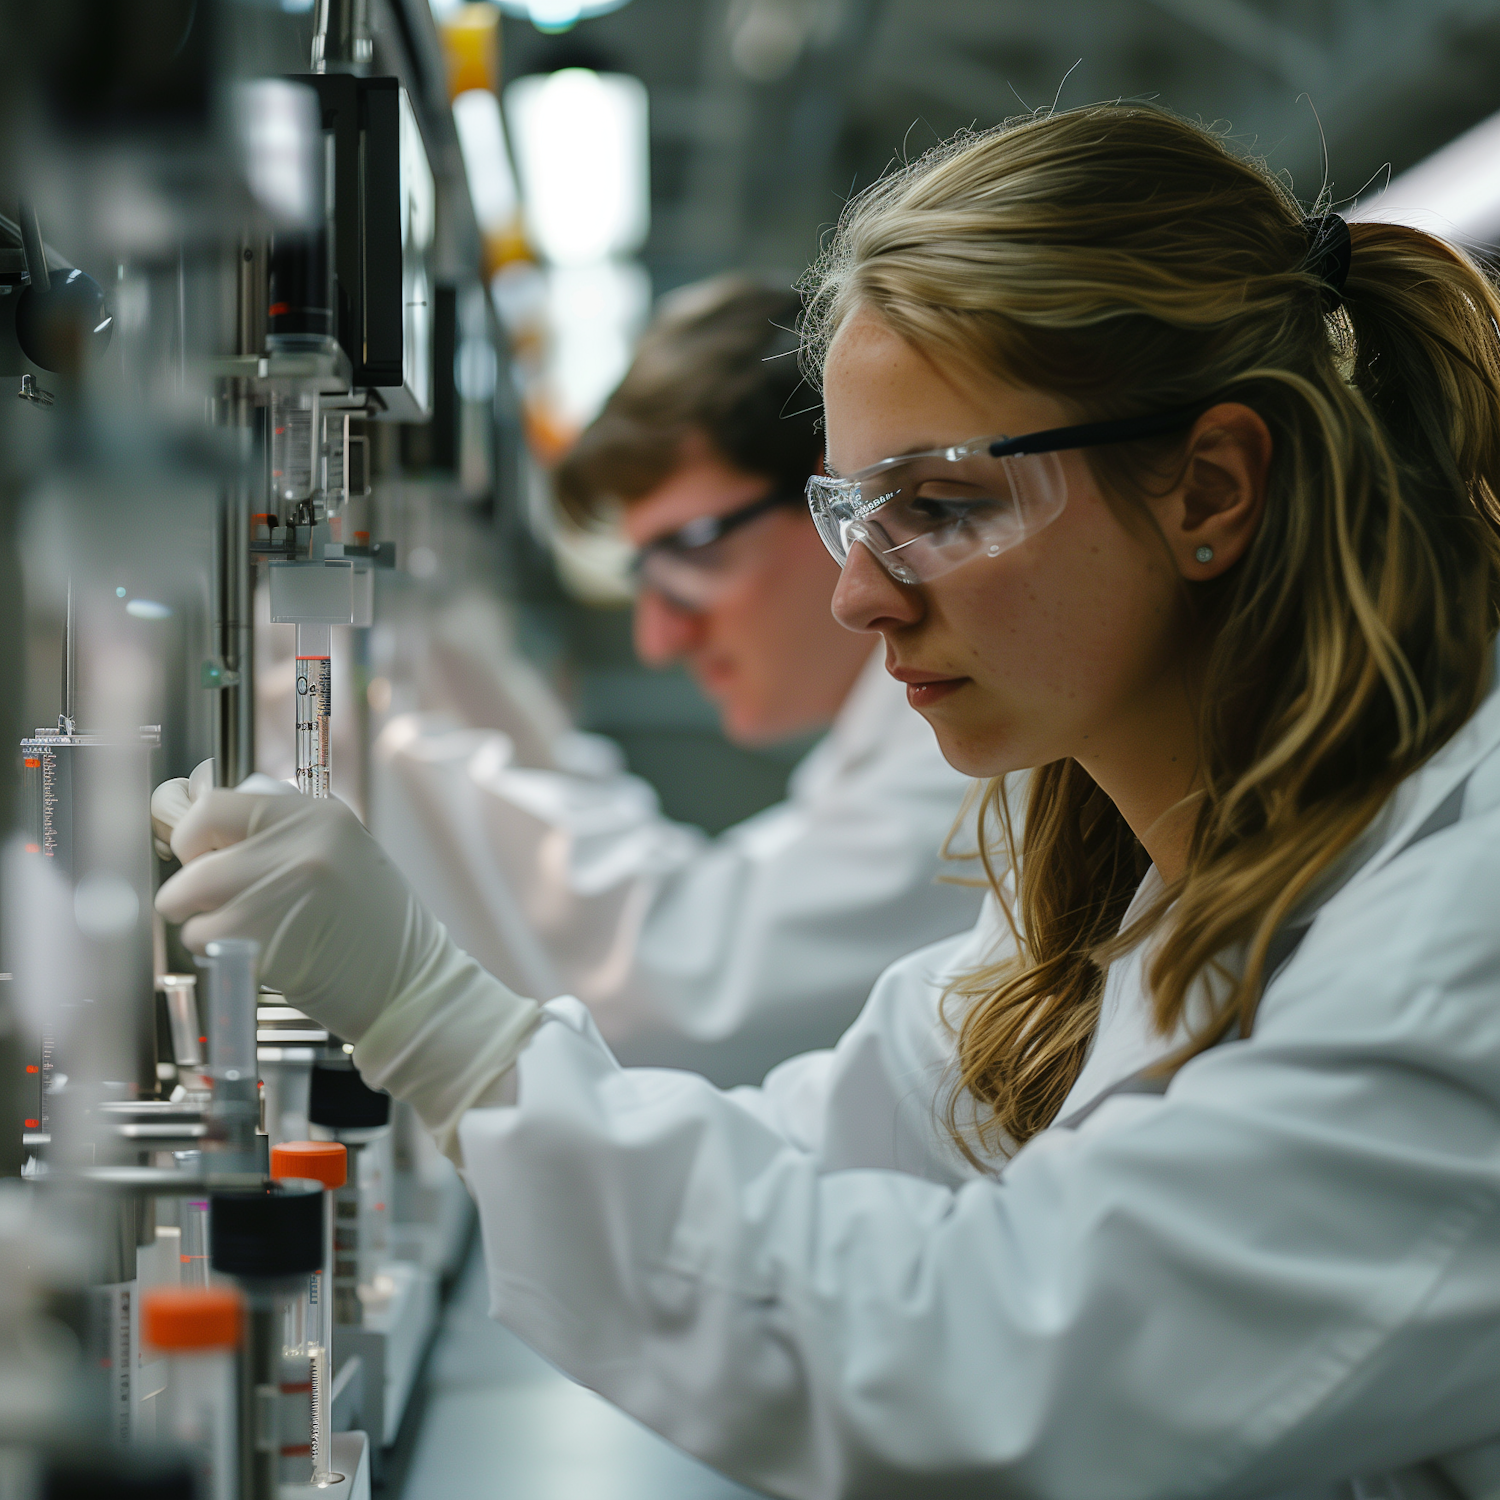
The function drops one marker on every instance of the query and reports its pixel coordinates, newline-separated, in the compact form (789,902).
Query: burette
(314,709)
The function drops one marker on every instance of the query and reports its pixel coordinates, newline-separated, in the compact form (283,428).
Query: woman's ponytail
(1426,355)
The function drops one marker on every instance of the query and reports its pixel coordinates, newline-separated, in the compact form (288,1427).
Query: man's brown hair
(720,360)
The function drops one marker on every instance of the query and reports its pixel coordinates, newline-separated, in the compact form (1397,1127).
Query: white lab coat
(724,955)
(1282,1274)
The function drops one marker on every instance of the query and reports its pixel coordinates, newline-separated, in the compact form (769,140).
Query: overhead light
(1454,193)
(581,143)
(767,37)
(558,15)
(481,140)
(595,313)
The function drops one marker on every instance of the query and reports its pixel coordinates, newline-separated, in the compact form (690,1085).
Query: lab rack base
(351,1458)
(390,1345)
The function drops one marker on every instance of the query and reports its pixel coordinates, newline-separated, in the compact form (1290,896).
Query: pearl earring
(1204,554)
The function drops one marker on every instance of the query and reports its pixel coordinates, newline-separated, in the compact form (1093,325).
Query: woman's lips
(923,689)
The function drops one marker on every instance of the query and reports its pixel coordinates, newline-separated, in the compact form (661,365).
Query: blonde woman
(1179,1176)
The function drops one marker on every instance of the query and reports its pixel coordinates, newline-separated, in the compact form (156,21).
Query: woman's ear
(1211,516)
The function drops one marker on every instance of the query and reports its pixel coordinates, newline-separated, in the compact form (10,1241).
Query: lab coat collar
(1405,815)
(1425,791)
(1123,1052)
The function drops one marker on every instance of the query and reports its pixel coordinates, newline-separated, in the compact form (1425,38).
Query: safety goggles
(692,567)
(924,514)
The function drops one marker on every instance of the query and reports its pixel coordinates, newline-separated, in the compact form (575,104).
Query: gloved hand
(171,800)
(346,942)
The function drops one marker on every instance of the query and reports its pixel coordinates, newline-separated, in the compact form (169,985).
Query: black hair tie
(1329,249)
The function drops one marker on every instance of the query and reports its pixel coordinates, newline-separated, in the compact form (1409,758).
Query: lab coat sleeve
(1284,1271)
(724,955)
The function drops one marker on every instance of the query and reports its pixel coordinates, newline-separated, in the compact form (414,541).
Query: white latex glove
(171,800)
(346,942)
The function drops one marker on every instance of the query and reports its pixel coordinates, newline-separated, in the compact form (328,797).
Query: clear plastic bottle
(199,1330)
(310,1332)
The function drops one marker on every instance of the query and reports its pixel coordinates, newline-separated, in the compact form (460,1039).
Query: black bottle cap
(118,1474)
(272,1235)
(339,1099)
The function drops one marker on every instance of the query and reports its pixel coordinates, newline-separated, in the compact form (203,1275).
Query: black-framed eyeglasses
(688,567)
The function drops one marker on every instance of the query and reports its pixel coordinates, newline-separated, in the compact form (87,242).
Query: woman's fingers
(202,779)
(171,801)
(209,882)
(220,818)
(169,806)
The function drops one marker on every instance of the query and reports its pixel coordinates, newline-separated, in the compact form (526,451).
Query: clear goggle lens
(929,513)
(705,560)
(693,581)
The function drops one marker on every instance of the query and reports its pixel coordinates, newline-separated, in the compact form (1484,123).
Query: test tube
(325,1162)
(314,710)
(192,1220)
(199,1330)
(232,997)
(188,1039)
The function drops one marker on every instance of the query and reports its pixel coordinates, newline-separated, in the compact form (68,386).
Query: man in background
(556,868)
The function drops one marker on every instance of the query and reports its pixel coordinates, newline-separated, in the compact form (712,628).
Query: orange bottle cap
(322,1161)
(192,1317)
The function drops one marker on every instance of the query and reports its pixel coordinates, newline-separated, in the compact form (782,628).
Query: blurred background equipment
(301,304)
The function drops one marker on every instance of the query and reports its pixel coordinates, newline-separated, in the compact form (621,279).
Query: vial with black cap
(342,1107)
(270,1241)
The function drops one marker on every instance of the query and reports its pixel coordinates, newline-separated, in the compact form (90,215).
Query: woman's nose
(868,598)
(663,632)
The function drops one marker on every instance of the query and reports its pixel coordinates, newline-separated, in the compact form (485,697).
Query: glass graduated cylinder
(314,710)
(307,1368)
(304,1357)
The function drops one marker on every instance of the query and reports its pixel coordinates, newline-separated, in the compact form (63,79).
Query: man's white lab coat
(724,955)
(1279,1275)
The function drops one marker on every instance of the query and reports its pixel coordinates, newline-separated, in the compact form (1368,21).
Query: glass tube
(294,462)
(194,1253)
(192,1219)
(182,1015)
(309,1333)
(116,1306)
(314,710)
(335,471)
(188,1039)
(232,996)
(300,1328)
(306,1347)
(320,1309)
(347,1261)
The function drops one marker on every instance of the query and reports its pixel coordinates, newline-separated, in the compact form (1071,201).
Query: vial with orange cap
(310,1331)
(199,1330)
